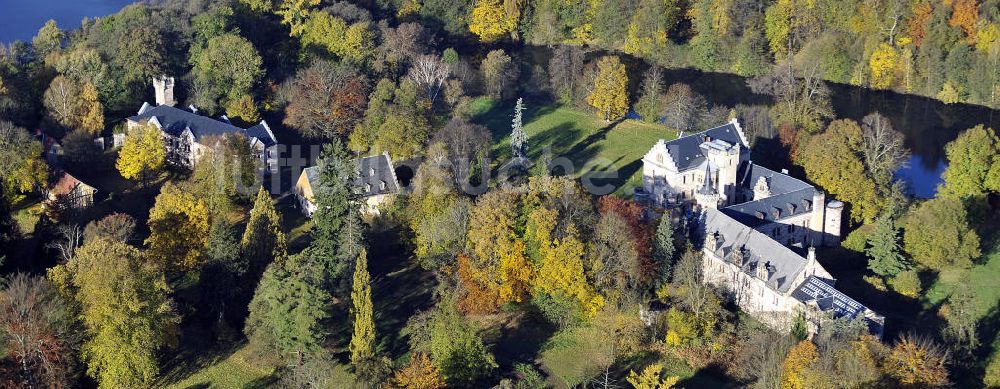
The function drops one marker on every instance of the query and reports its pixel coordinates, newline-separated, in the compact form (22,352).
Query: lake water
(21,19)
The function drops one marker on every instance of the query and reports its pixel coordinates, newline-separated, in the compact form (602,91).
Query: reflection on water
(922,180)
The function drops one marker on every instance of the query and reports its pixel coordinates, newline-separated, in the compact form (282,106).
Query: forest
(496,266)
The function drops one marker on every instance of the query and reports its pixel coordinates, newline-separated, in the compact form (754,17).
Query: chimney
(811,255)
(193,108)
(784,171)
(163,87)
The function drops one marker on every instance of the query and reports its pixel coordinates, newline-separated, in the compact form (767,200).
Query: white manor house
(758,223)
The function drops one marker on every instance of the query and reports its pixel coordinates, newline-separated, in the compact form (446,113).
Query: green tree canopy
(937,234)
(973,164)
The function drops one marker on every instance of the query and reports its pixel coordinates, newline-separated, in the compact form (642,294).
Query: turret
(816,219)
(834,212)
(163,88)
(707,196)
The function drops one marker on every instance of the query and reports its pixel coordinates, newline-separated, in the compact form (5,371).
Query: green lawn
(232,371)
(591,144)
(981,279)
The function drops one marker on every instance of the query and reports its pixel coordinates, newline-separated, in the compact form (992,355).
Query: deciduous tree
(38,332)
(493,19)
(916,361)
(651,378)
(21,157)
(833,160)
(143,153)
(228,68)
(610,94)
(127,312)
(325,100)
(973,164)
(937,234)
(178,229)
(419,373)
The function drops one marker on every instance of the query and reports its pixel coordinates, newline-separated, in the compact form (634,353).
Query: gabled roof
(731,236)
(376,175)
(827,298)
(686,151)
(64,183)
(175,121)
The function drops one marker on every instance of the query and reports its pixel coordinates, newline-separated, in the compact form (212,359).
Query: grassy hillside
(591,144)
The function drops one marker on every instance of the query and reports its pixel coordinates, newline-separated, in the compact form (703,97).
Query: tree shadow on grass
(520,339)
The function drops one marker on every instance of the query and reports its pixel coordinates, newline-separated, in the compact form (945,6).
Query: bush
(858,239)
(558,310)
(906,283)
(876,282)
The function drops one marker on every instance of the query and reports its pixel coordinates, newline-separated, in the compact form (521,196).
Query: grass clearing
(589,143)
(232,371)
(981,279)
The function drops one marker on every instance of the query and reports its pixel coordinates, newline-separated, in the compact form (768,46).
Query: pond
(20,20)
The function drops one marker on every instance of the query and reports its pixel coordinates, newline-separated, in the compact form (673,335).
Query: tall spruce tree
(518,138)
(663,247)
(884,254)
(289,308)
(337,228)
(263,241)
(363,340)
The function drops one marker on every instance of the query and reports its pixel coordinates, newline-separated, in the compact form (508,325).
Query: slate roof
(827,298)
(707,186)
(174,121)
(686,151)
(749,173)
(774,208)
(372,172)
(784,264)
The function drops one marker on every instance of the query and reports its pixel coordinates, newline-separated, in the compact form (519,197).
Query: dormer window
(659,158)
(806,204)
(760,215)
(371,172)
(776,212)
(791,207)
(381,186)
(368,187)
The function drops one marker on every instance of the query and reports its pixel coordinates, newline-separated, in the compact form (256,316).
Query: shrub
(906,283)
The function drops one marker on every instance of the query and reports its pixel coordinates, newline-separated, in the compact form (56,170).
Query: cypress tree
(363,340)
(263,241)
(884,257)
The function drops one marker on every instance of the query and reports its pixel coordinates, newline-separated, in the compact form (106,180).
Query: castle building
(187,134)
(757,222)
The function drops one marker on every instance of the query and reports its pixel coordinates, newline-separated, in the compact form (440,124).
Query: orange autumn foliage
(642,232)
(964,15)
(917,24)
(478,294)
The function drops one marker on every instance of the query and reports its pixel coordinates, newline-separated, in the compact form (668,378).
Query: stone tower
(726,158)
(817,222)
(707,196)
(834,212)
(163,87)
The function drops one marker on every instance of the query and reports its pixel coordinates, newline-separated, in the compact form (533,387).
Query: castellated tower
(726,158)
(834,212)
(163,87)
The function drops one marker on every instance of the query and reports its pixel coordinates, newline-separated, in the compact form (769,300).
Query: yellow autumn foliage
(610,94)
(882,65)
